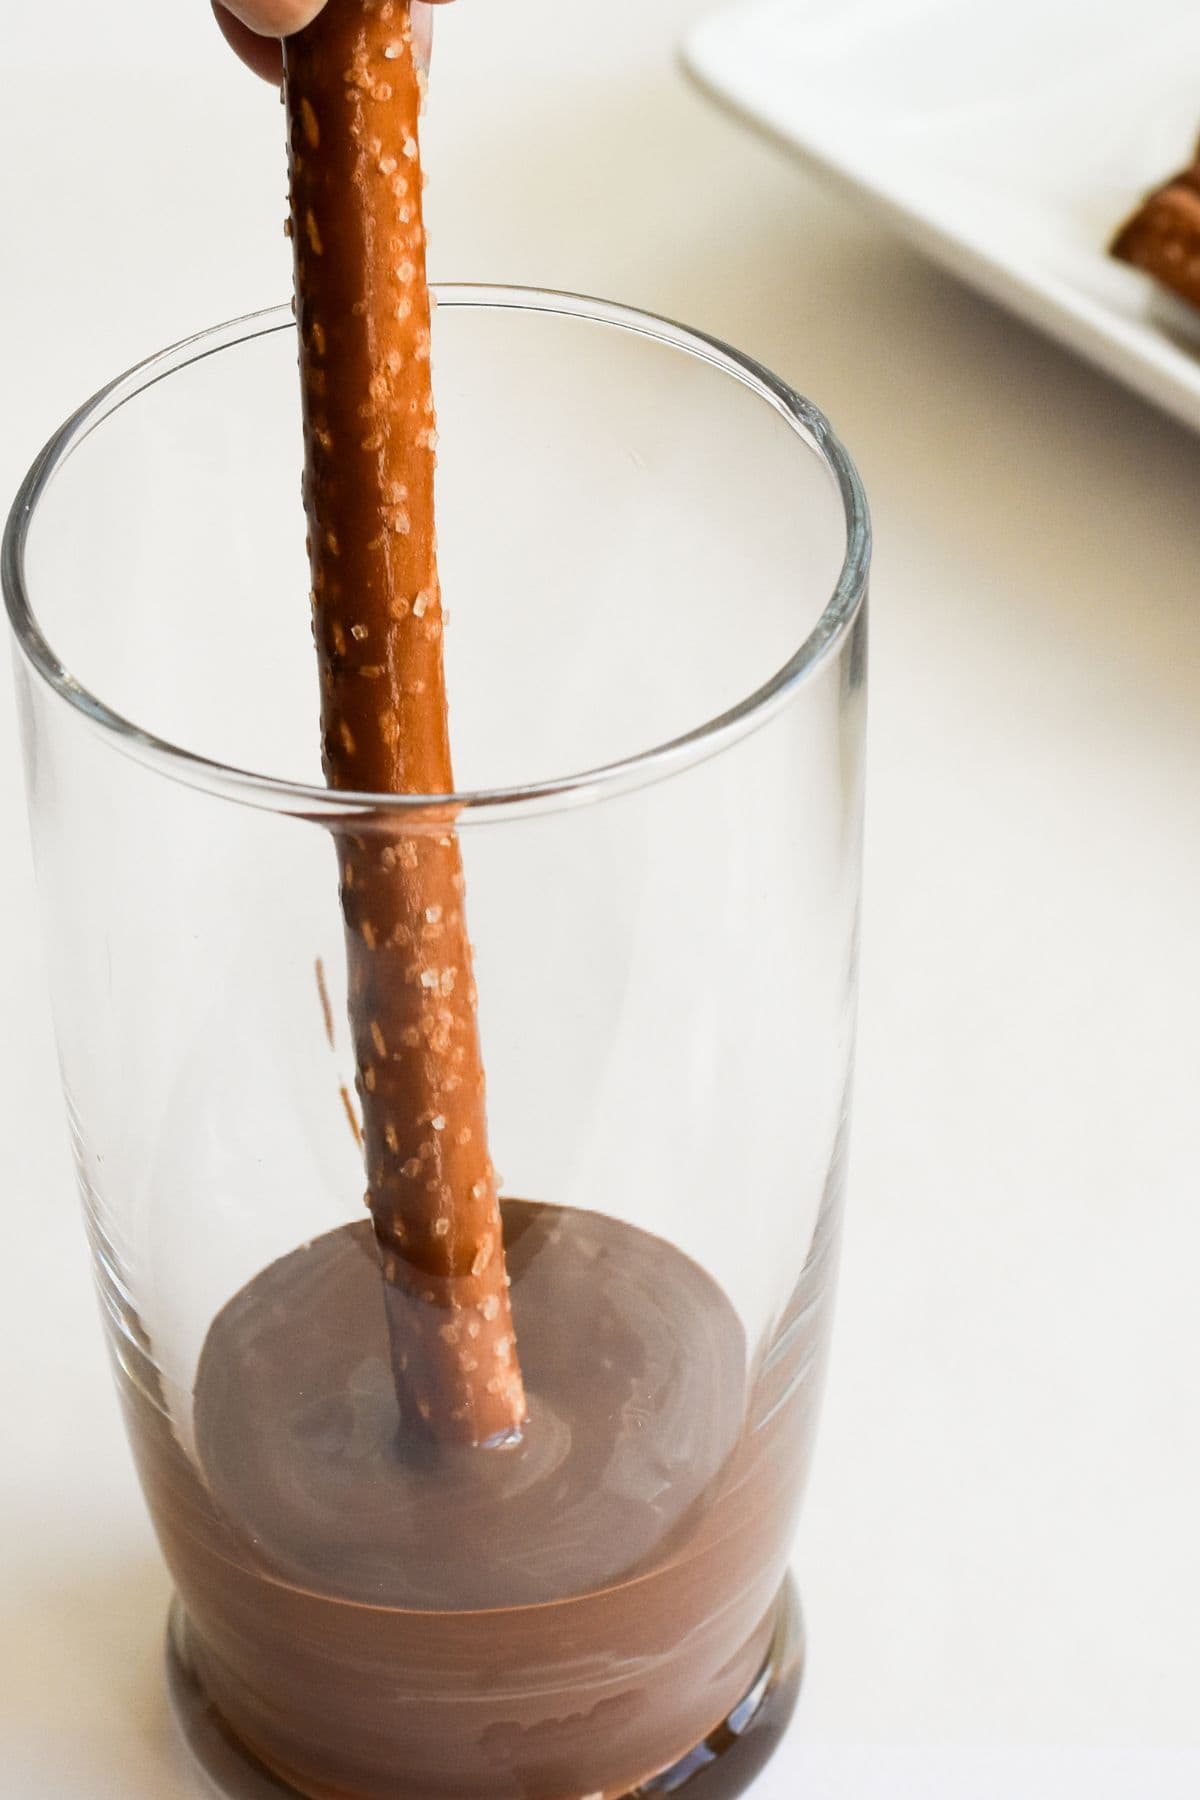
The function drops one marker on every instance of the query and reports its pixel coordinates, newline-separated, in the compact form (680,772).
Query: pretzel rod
(1163,236)
(363,311)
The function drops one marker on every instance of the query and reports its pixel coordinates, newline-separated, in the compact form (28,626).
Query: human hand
(254,28)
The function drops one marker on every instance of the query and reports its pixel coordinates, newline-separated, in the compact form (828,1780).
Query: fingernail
(422,30)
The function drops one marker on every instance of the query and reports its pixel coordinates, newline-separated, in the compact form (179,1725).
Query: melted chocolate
(554,1619)
(635,1409)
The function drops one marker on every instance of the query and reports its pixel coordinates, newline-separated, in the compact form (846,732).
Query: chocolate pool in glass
(654,556)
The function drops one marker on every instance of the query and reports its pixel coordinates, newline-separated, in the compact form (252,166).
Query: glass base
(721,1766)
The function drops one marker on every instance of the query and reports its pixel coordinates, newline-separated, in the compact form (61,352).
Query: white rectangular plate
(1006,141)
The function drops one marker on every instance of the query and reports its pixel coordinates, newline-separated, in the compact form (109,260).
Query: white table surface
(1000,1554)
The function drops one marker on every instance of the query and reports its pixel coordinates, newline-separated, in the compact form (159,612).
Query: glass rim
(335,806)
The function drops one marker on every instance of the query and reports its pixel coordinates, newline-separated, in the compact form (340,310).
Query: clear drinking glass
(654,556)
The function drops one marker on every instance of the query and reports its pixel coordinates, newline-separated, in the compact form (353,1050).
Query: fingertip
(422,30)
(262,54)
(274,18)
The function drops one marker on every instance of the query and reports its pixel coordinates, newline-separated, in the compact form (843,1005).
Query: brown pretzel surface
(363,312)
(1163,235)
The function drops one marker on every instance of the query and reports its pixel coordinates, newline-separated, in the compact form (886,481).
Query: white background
(999,1557)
